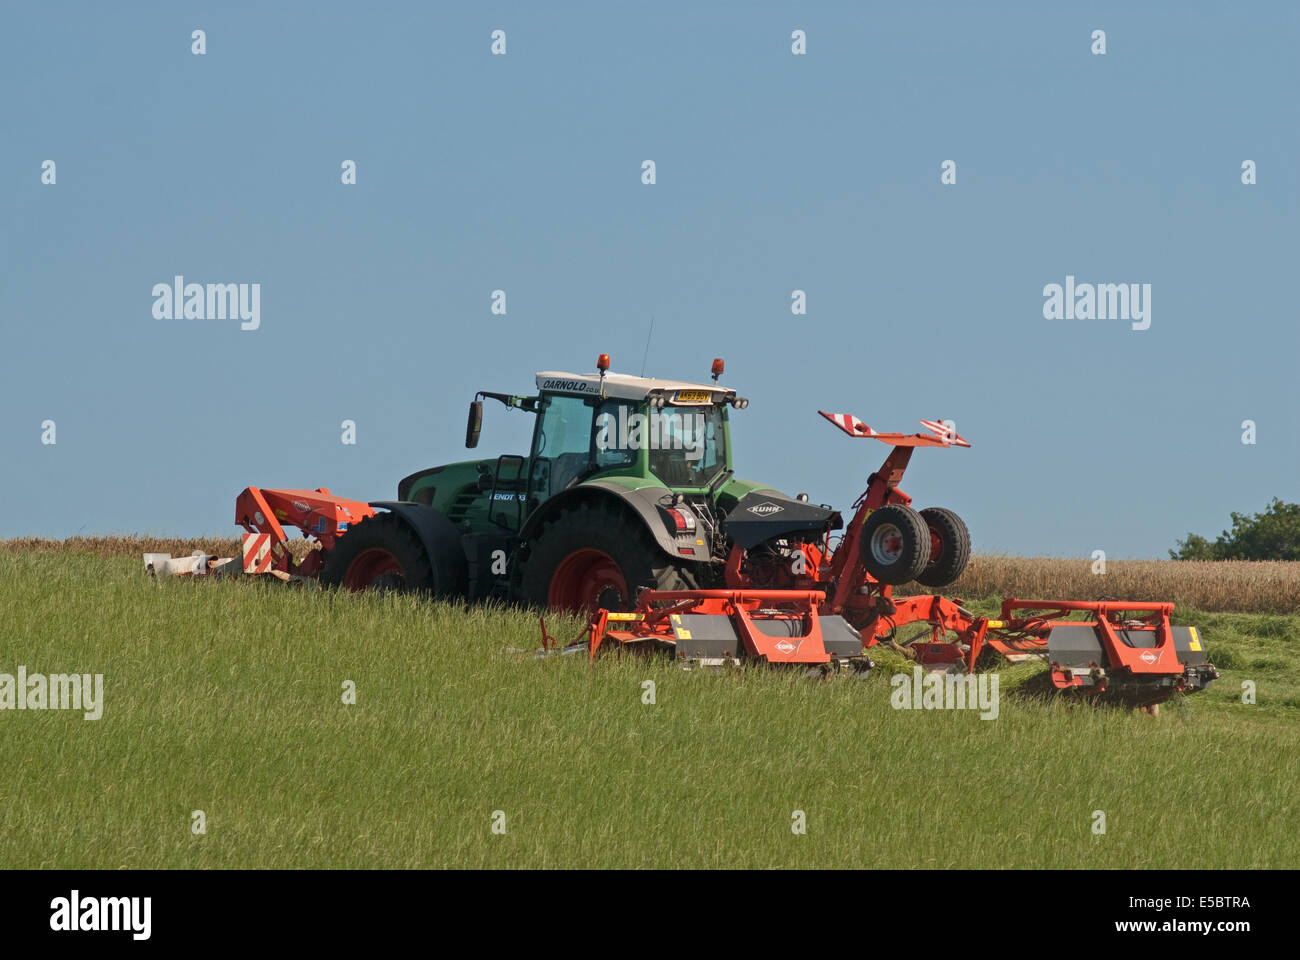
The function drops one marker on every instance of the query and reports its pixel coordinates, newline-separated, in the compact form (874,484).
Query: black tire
(895,544)
(366,544)
(604,528)
(949,547)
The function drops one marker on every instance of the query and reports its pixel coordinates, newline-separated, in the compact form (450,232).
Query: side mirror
(475,423)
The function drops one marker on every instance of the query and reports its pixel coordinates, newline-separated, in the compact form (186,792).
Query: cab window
(565,447)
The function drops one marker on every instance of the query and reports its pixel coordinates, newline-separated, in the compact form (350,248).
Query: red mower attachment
(1126,650)
(1138,660)
(317,513)
(264,514)
(716,627)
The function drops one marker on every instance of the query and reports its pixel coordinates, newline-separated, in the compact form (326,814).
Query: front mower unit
(319,514)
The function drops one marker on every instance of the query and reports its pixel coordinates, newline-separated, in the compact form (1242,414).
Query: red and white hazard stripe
(945,432)
(849,424)
(257,552)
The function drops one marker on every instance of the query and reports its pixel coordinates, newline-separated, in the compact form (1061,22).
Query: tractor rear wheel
(594,555)
(949,547)
(895,544)
(379,553)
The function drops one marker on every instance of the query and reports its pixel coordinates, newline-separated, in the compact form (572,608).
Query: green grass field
(226,697)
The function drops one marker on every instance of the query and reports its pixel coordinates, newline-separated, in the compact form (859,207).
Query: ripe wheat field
(1214,586)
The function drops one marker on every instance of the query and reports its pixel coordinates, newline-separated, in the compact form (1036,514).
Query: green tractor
(629,484)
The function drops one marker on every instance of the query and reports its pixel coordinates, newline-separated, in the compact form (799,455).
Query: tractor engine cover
(766,514)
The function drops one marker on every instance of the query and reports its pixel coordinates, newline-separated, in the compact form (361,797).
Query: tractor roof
(626,387)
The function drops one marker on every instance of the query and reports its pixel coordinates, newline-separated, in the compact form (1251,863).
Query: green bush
(1271,535)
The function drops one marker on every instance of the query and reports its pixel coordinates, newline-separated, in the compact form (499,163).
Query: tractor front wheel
(379,553)
(594,555)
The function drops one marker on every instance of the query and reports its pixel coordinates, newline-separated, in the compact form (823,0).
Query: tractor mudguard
(441,542)
(645,503)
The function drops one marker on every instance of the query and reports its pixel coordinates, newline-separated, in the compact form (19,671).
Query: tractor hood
(764,514)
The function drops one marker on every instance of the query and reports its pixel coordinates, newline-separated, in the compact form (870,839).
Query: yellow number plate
(691,396)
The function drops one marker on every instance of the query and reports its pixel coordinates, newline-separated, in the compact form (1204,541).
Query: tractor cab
(633,431)
(636,431)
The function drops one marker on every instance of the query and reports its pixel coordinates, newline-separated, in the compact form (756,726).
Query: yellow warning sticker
(1196,640)
(682,634)
(625,616)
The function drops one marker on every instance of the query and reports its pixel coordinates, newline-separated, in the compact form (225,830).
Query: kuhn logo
(785,646)
(1149,657)
(765,509)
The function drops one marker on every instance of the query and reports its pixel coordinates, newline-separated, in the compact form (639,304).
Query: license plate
(691,396)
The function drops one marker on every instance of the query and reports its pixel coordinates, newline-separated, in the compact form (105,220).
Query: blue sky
(775,172)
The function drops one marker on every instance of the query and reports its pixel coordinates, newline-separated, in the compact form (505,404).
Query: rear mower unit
(718,627)
(1137,660)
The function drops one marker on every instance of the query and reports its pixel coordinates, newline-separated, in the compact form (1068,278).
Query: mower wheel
(379,553)
(895,544)
(594,555)
(949,547)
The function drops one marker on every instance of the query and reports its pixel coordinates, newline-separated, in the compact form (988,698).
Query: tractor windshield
(566,445)
(686,445)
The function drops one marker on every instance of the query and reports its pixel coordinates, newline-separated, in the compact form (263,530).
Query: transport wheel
(379,553)
(895,544)
(594,555)
(949,547)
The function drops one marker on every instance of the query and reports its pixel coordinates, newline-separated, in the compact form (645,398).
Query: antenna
(648,335)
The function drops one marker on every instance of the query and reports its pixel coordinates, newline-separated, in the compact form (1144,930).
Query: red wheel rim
(585,580)
(936,547)
(375,567)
